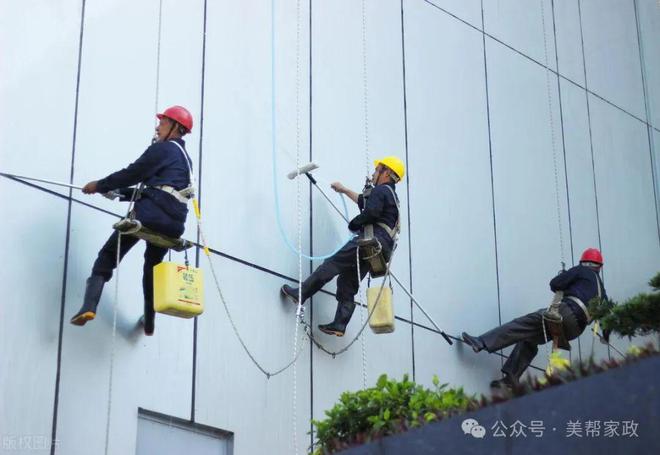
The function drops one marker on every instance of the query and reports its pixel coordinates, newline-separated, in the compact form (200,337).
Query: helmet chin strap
(167,137)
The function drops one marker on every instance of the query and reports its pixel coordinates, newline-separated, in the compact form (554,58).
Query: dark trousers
(343,265)
(526,332)
(107,260)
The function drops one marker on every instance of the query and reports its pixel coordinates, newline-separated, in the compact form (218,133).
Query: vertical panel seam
(60,337)
(647,111)
(591,142)
(405,130)
(492,174)
(199,184)
(563,143)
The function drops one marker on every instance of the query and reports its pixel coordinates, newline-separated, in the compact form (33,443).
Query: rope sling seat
(131,226)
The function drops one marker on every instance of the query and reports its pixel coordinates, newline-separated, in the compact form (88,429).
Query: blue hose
(274,157)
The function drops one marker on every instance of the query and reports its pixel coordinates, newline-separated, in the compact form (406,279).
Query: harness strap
(582,306)
(173,191)
(393,232)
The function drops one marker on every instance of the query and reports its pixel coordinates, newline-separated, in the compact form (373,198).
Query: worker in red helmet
(579,285)
(163,172)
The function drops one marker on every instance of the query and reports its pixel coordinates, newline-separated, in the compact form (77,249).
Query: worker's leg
(106,260)
(342,260)
(524,328)
(101,273)
(520,358)
(153,255)
(348,285)
(525,351)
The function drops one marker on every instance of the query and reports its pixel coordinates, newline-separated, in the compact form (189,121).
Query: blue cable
(274,155)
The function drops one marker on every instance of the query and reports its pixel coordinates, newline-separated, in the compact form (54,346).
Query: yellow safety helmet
(394,164)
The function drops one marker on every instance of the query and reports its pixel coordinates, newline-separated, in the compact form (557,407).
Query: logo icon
(472,427)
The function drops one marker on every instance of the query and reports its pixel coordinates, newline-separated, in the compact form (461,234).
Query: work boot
(290,293)
(148,320)
(507,382)
(93,291)
(476,343)
(342,316)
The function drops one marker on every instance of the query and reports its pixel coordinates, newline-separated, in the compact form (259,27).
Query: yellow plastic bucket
(178,290)
(382,318)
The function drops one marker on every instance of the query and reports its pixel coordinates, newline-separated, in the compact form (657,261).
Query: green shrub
(639,315)
(389,407)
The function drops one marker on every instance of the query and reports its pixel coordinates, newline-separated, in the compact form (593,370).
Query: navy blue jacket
(161,164)
(581,282)
(381,207)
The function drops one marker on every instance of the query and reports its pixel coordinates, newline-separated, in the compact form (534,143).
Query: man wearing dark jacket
(380,210)
(579,285)
(164,169)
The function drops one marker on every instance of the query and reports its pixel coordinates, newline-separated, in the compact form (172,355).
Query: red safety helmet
(592,255)
(180,115)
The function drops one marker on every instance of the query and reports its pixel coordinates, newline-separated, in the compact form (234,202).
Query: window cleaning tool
(52,182)
(301,171)
(109,195)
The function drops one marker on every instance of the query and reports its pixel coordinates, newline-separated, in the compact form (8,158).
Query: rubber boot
(342,316)
(507,382)
(290,293)
(149,319)
(93,291)
(476,343)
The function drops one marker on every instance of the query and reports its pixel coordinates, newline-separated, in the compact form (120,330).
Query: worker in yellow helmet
(379,207)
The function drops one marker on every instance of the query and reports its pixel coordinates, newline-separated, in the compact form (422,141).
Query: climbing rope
(361,302)
(115,310)
(365,88)
(299,225)
(554,162)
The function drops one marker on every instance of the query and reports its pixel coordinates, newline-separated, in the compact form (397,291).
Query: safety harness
(554,320)
(131,226)
(369,246)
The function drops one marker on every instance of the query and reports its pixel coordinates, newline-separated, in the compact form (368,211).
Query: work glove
(112,195)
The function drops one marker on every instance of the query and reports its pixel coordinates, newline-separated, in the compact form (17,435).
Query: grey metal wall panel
(232,393)
(467,10)
(237,140)
(180,78)
(612,54)
(520,23)
(582,193)
(626,203)
(44,41)
(569,47)
(529,199)
(153,373)
(35,140)
(648,17)
(29,314)
(451,204)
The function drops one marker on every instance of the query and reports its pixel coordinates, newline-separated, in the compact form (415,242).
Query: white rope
(365,88)
(361,302)
(552,133)
(160,23)
(299,309)
(112,344)
(554,158)
(318,344)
